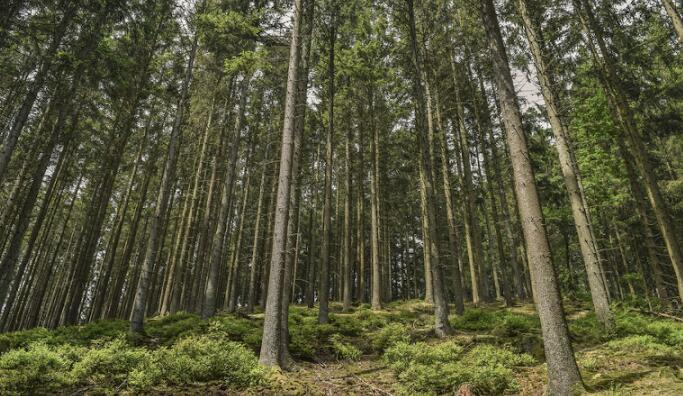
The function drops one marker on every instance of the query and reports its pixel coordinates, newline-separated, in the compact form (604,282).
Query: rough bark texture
(563,373)
(428,199)
(570,172)
(271,348)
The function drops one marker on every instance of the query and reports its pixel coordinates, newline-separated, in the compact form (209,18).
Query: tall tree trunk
(453,238)
(271,346)
(428,199)
(224,211)
(580,213)
(376,278)
(346,270)
(563,372)
(234,263)
(253,264)
(293,236)
(323,292)
(167,180)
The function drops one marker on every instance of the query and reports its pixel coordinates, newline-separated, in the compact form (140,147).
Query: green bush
(389,336)
(665,331)
(444,367)
(172,327)
(347,325)
(21,339)
(370,320)
(248,331)
(642,344)
(513,325)
(201,359)
(308,338)
(587,330)
(110,364)
(475,319)
(38,368)
(90,332)
(344,351)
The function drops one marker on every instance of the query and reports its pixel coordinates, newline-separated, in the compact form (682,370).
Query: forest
(358,197)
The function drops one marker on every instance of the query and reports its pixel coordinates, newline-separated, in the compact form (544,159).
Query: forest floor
(494,350)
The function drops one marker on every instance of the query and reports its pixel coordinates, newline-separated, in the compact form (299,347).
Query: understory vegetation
(394,351)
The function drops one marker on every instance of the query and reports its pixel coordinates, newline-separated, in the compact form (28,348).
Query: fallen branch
(664,315)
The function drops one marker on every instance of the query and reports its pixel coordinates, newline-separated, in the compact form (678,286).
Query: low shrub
(347,325)
(248,331)
(513,325)
(389,336)
(343,350)
(201,359)
(444,367)
(109,365)
(172,327)
(642,344)
(665,331)
(308,338)
(90,332)
(38,368)
(21,339)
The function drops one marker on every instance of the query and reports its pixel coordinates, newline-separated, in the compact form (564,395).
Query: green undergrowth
(116,366)
(447,366)
(493,351)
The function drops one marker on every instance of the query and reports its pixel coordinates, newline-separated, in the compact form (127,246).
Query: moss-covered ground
(494,350)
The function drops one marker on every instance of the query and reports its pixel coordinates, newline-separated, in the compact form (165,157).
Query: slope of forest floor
(494,350)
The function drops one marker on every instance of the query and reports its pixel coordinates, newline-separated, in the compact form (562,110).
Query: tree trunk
(167,180)
(580,213)
(323,292)
(376,287)
(563,372)
(676,20)
(453,239)
(442,327)
(271,348)
(224,211)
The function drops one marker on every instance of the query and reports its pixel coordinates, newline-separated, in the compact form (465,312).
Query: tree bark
(676,19)
(271,348)
(563,373)
(441,325)
(167,180)
(570,172)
